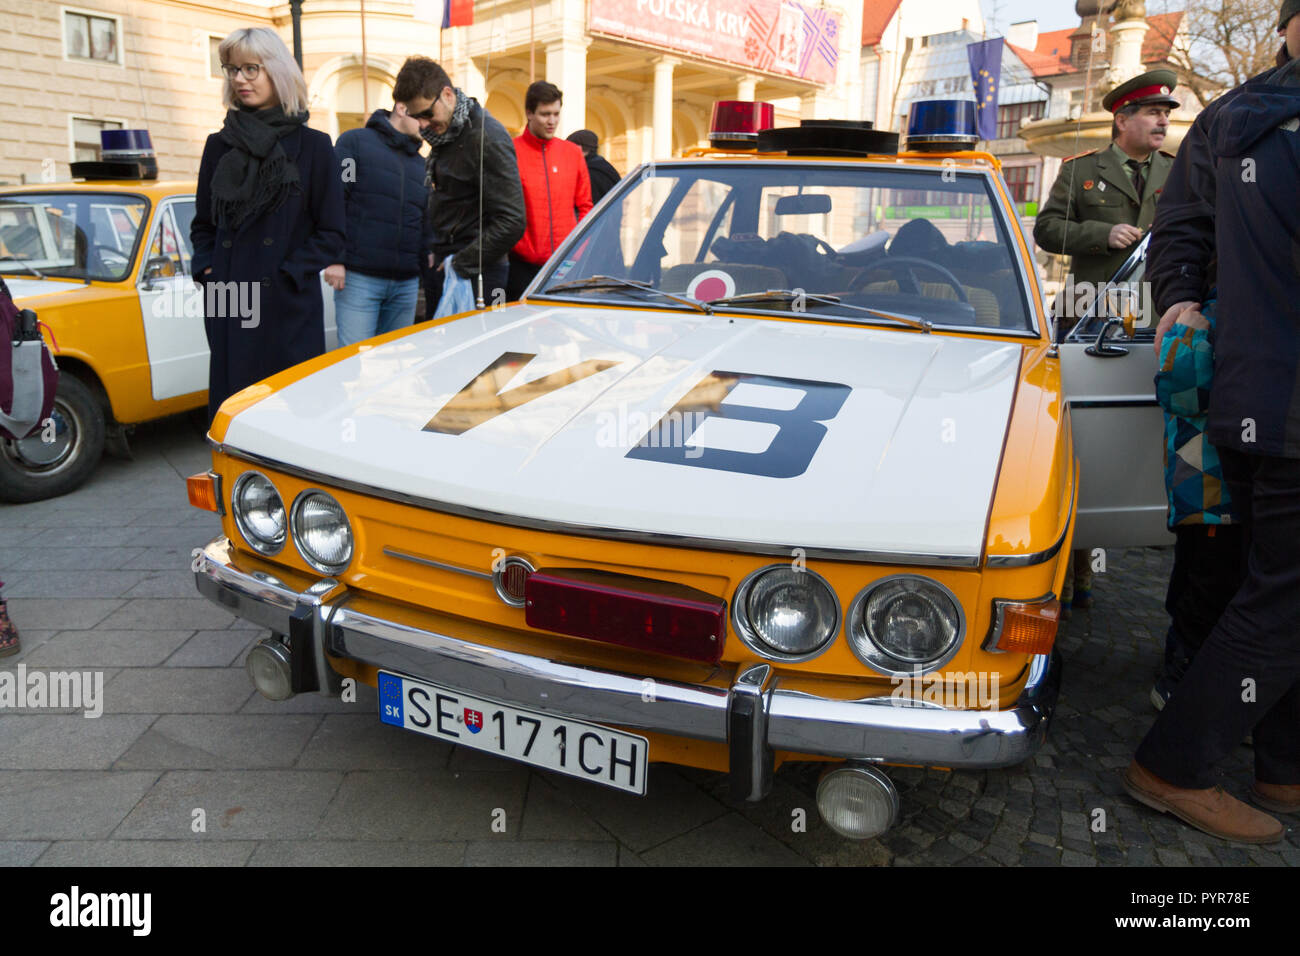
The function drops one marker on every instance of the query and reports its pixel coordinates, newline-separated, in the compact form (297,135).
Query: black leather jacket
(454,195)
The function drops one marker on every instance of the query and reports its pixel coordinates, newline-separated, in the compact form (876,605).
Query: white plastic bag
(457,293)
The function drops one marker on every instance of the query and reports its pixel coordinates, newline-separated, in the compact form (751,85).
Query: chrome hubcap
(49,447)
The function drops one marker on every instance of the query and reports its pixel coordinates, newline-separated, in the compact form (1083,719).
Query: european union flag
(986,73)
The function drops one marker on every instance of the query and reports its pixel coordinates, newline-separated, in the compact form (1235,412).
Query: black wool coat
(281,253)
(1230,218)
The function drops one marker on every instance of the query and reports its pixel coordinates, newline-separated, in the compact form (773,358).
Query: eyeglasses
(423,114)
(248,70)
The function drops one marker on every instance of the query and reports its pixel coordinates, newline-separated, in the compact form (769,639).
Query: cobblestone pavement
(99,580)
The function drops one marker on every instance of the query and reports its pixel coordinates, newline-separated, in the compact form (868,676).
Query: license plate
(574,747)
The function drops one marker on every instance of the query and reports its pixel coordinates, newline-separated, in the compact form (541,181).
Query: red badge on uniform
(1087,184)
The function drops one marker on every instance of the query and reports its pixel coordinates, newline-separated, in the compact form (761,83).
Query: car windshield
(77,235)
(930,244)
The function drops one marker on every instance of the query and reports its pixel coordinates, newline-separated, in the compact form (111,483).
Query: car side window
(171,235)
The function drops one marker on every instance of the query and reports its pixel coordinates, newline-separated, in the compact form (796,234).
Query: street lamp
(295,11)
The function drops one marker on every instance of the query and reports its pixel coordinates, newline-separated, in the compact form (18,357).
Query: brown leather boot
(1212,811)
(1278,797)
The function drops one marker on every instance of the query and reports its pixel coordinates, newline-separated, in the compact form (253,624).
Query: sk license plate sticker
(586,751)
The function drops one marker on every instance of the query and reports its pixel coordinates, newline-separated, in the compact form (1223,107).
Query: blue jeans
(367,306)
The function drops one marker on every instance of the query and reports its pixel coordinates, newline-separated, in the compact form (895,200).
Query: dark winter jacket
(455,190)
(384,197)
(282,252)
(604,176)
(1239,201)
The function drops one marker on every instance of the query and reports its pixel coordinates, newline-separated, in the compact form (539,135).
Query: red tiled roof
(1051,55)
(1160,36)
(876,15)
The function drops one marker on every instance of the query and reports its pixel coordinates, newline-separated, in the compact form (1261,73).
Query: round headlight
(321,532)
(905,622)
(259,512)
(786,614)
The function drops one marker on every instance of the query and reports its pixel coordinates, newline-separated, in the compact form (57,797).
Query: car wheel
(62,455)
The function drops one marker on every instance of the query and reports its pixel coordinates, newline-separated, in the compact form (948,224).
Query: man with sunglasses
(476,203)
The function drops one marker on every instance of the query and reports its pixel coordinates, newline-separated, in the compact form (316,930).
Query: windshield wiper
(616,282)
(31,269)
(796,295)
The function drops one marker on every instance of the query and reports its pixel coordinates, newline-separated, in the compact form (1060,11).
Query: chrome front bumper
(755,716)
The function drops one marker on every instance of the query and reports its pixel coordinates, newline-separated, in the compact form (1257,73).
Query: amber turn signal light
(1024,627)
(202,489)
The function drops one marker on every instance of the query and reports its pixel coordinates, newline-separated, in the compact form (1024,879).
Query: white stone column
(1125,51)
(566,67)
(745,86)
(663,106)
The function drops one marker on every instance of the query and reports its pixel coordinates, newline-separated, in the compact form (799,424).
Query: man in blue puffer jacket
(377,284)
(1208,557)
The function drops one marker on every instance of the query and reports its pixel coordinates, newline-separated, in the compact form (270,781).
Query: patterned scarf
(254,176)
(459,117)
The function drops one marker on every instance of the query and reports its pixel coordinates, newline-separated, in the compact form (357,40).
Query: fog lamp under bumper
(269,668)
(857,802)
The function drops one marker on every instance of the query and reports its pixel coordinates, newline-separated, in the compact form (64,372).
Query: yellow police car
(104,261)
(772,462)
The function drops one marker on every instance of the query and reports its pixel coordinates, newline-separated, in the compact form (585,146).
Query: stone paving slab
(427,805)
(237,805)
(160,614)
(68,741)
(219,742)
(678,806)
(108,648)
(358,853)
(729,840)
(211,649)
(552,853)
(20,853)
(80,853)
(70,559)
(364,742)
(88,690)
(177,690)
(67,804)
(66,613)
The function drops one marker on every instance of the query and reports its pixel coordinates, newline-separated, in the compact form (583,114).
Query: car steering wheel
(113,253)
(907,262)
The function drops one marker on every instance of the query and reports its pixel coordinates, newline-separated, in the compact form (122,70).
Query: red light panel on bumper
(631,612)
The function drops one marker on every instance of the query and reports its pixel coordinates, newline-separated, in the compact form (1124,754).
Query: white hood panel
(907,464)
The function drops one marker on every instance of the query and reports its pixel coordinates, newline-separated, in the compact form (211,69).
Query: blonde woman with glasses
(268,219)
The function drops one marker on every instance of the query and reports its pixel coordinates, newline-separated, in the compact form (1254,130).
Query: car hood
(829,438)
(22,289)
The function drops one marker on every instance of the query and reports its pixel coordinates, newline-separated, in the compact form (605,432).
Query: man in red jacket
(556,183)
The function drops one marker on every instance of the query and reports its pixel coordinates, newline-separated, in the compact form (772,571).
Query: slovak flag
(457,13)
(473,720)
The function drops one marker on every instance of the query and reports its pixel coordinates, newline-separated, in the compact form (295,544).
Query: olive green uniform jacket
(1077,218)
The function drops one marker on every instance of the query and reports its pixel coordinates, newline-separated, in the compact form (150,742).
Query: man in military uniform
(1103,201)
(1101,204)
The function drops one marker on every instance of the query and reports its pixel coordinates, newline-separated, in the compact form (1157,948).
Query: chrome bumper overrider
(755,716)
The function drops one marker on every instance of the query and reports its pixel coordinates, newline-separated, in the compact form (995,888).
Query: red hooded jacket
(556,183)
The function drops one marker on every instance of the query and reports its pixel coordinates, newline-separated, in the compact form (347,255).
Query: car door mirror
(159,267)
(1103,349)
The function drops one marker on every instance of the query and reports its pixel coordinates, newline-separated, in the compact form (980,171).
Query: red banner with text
(776,36)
